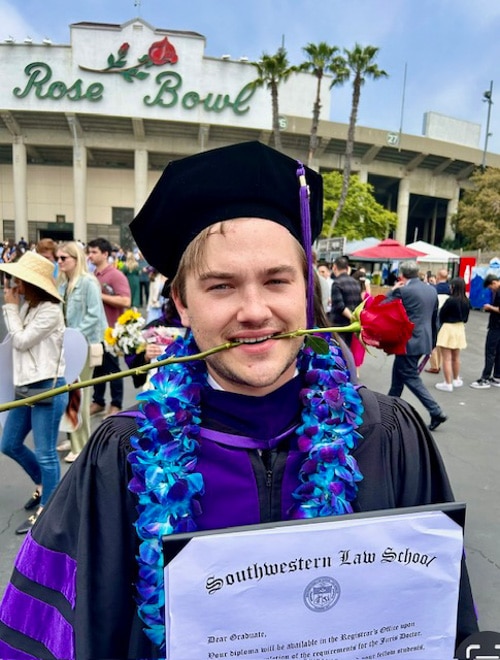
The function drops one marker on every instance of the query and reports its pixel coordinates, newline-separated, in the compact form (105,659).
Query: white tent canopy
(433,254)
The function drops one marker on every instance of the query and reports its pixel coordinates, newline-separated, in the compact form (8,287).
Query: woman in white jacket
(37,330)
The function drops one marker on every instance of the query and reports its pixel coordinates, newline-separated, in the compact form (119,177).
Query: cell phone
(107,288)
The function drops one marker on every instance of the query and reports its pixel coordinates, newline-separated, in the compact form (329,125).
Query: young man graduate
(223,442)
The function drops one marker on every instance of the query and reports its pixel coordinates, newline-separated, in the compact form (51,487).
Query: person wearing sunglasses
(83,310)
(269,430)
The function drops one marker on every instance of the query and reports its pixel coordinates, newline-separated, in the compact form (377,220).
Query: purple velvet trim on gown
(229,469)
(238,423)
(263,417)
(31,616)
(39,621)
(242,441)
(49,568)
(11,653)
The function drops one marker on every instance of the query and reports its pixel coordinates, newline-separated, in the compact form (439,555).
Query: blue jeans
(41,465)
(405,372)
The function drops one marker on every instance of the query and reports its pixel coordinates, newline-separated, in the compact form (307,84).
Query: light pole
(487,98)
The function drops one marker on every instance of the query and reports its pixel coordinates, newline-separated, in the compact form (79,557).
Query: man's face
(494,286)
(97,257)
(250,288)
(324,272)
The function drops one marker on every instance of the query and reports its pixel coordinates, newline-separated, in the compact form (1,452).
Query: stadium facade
(87,128)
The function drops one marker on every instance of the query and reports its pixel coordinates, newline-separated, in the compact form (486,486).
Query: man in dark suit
(421,303)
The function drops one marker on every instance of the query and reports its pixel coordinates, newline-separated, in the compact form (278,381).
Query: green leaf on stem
(317,344)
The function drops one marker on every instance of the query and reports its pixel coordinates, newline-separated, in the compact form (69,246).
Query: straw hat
(36,270)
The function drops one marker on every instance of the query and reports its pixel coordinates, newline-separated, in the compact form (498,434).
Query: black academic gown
(77,569)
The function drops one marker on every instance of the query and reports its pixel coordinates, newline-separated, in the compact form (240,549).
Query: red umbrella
(385,251)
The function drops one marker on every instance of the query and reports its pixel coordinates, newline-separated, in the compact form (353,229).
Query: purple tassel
(305,218)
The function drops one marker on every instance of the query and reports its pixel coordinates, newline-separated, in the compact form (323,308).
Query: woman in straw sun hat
(37,330)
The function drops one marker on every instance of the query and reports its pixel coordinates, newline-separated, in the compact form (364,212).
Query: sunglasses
(63,258)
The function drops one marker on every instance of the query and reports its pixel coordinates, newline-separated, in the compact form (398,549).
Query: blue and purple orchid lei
(164,458)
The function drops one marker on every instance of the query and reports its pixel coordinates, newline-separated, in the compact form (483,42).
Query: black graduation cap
(242,180)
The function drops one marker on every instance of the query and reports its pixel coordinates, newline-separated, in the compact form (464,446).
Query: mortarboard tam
(242,180)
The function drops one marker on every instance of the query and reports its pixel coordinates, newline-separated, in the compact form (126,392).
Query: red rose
(385,324)
(123,50)
(162,52)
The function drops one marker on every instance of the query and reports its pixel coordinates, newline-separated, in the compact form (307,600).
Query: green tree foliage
(477,221)
(321,59)
(360,64)
(272,70)
(362,216)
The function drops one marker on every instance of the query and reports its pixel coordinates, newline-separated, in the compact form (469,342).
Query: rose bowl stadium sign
(168,89)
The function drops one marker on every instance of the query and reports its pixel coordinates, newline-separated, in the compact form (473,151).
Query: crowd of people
(98,281)
(270,430)
(442,324)
(49,286)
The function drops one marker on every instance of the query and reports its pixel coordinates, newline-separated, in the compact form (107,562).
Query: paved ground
(469,442)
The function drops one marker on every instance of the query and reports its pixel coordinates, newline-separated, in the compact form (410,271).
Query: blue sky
(450,48)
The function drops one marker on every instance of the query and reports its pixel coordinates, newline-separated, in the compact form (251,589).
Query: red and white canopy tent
(387,250)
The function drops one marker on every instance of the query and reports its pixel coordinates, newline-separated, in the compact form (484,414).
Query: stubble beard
(224,372)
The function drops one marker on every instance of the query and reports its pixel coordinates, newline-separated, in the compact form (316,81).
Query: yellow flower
(109,338)
(128,316)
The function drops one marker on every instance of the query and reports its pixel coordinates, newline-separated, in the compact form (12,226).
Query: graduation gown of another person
(72,591)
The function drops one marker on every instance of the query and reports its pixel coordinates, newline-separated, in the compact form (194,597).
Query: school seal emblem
(322,594)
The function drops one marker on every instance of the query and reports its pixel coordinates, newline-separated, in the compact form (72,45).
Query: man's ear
(182,310)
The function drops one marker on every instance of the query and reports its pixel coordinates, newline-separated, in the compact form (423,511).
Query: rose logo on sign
(159,53)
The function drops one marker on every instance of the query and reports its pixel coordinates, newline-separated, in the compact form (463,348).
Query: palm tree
(360,63)
(322,59)
(273,70)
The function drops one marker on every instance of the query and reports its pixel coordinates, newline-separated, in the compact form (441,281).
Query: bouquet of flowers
(162,335)
(126,337)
